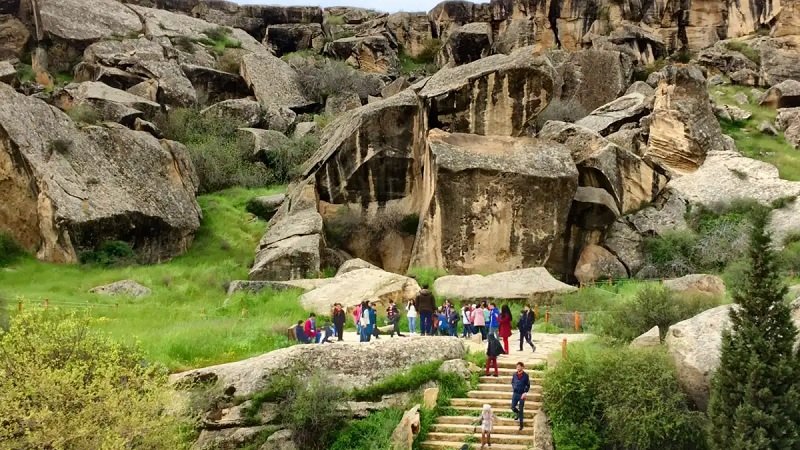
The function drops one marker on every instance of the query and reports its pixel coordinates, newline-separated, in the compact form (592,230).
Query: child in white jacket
(487,420)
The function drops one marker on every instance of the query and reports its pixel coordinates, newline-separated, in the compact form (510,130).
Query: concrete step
(469,420)
(505,387)
(533,395)
(513,428)
(530,409)
(497,438)
(442,445)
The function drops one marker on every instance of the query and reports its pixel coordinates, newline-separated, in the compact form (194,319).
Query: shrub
(323,77)
(430,49)
(286,160)
(229,62)
(60,146)
(221,155)
(65,386)
(426,275)
(109,253)
(618,397)
(652,306)
(743,48)
(184,44)
(670,253)
(372,433)
(334,20)
(10,250)
(314,413)
(85,114)
(219,39)
(400,382)
(562,111)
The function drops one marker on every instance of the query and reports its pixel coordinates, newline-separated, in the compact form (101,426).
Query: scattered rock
(273,81)
(542,434)
(354,287)
(254,287)
(370,54)
(732,113)
(741,98)
(264,143)
(109,103)
(785,94)
(789,121)
(227,439)
(745,77)
(767,128)
(395,87)
(640,87)
(408,428)
(349,365)
(304,129)
(355,264)
(280,440)
(458,367)
(241,112)
(7,72)
(266,206)
(611,117)
(128,288)
(597,263)
(14,37)
(342,102)
(515,285)
(697,284)
(429,397)
(716,80)
(652,338)
(79,21)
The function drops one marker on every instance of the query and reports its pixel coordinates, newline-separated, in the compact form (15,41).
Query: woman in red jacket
(505,326)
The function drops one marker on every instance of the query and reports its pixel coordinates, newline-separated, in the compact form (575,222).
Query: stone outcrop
(111,104)
(683,128)
(240,112)
(349,365)
(469,43)
(609,118)
(589,79)
(371,54)
(355,264)
(788,121)
(79,21)
(488,210)
(273,81)
(697,284)
(543,434)
(70,190)
(785,94)
(14,37)
(266,206)
(127,288)
(406,431)
(652,338)
(352,288)
(523,284)
(598,264)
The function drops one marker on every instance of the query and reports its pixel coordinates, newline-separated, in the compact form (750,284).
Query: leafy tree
(65,387)
(755,394)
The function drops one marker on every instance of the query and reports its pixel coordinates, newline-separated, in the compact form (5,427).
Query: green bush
(84,114)
(323,77)
(743,48)
(109,253)
(431,48)
(286,160)
(219,39)
(670,254)
(426,275)
(222,156)
(654,306)
(372,433)
(620,398)
(315,412)
(10,250)
(66,387)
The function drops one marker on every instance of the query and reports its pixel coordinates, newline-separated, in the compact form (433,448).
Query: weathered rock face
(355,264)
(597,263)
(591,78)
(80,21)
(785,94)
(371,54)
(241,112)
(272,80)
(694,345)
(683,127)
(412,31)
(405,432)
(697,284)
(780,60)
(469,43)
(352,288)
(475,222)
(288,38)
(652,338)
(789,121)
(112,104)
(14,37)
(497,95)
(609,118)
(350,365)
(72,189)
(524,284)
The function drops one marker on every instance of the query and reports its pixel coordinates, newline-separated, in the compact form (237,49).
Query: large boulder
(294,37)
(469,43)
(785,94)
(127,288)
(352,288)
(371,54)
(68,190)
(349,365)
(496,95)
(683,128)
(111,104)
(14,37)
(597,263)
(406,431)
(523,284)
(697,284)
(273,81)
(591,78)
(355,264)
(228,439)
(241,112)
(694,345)
(412,31)
(81,22)
(493,207)
(609,118)
(780,59)
(788,121)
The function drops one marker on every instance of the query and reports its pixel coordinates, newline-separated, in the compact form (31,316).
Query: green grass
(25,73)
(372,433)
(187,321)
(400,382)
(751,142)
(219,39)
(426,275)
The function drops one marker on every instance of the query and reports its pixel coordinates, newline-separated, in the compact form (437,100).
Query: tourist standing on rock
(520,385)
(310,327)
(364,322)
(357,318)
(411,313)
(393,314)
(300,334)
(479,322)
(426,306)
(338,321)
(505,326)
(494,318)
(525,327)
(466,317)
(493,350)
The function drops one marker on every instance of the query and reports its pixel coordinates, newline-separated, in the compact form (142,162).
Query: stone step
(505,379)
(508,371)
(513,428)
(505,387)
(497,438)
(442,445)
(530,408)
(495,402)
(533,395)
(469,420)
(510,362)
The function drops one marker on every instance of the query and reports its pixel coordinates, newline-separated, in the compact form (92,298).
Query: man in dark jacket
(393,314)
(338,321)
(525,326)
(520,385)
(426,305)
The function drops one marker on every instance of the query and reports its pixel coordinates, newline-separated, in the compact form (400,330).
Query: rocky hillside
(474,138)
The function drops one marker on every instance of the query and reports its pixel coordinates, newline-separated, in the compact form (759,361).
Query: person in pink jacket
(479,321)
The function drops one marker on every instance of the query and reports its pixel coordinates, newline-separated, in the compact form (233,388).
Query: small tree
(755,394)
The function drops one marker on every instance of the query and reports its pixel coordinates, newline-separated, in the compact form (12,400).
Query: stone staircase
(452,432)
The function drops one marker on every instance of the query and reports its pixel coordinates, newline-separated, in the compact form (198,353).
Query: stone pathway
(451,432)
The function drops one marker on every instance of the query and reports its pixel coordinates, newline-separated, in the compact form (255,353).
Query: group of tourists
(482,319)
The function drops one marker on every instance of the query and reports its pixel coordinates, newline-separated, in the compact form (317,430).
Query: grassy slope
(752,143)
(188,321)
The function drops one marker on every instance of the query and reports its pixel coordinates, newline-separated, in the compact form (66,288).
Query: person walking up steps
(393,314)
(493,350)
(505,326)
(411,313)
(525,327)
(520,385)
(426,306)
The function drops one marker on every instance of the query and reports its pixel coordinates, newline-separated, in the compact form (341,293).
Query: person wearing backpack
(493,350)
(525,327)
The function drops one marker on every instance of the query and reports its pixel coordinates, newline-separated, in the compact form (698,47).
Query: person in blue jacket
(300,334)
(494,318)
(373,322)
(520,385)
